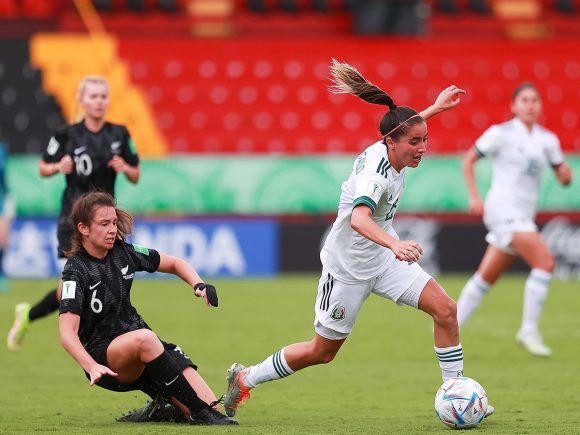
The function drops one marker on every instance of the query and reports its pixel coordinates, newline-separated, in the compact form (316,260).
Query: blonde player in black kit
(90,154)
(100,328)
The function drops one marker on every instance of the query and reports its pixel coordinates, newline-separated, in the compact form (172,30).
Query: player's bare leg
(281,364)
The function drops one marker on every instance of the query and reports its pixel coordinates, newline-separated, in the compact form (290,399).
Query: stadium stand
(270,96)
(263,92)
(65,59)
(29,115)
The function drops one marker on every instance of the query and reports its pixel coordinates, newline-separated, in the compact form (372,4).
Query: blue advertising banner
(215,247)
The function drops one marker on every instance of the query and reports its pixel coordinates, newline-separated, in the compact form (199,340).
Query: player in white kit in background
(520,149)
(362,253)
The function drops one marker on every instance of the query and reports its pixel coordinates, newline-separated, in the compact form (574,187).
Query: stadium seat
(230,97)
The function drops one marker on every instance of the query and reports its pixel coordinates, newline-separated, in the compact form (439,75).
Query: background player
(100,328)
(90,154)
(6,215)
(520,150)
(355,261)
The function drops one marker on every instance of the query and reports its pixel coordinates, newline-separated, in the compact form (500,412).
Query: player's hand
(118,164)
(65,166)
(407,250)
(564,174)
(207,292)
(476,206)
(448,98)
(98,371)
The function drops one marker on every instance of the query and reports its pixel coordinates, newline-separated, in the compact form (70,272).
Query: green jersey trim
(366,201)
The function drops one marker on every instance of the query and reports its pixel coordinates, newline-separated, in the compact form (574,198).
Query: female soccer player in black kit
(90,154)
(100,328)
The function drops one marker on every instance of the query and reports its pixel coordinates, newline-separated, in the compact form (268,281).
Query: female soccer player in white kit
(362,253)
(520,150)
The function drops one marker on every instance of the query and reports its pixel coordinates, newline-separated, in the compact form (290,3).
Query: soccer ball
(461,403)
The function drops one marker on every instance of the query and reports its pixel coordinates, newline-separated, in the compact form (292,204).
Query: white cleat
(533,343)
(490,410)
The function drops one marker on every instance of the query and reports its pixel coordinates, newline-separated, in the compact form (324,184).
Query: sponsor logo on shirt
(79,150)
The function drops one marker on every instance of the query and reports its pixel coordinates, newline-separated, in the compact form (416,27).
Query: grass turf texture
(383,381)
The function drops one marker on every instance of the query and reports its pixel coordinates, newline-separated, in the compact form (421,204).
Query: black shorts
(144,383)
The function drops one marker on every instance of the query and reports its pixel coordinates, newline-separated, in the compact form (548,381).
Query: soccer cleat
(210,417)
(237,393)
(533,343)
(490,410)
(159,410)
(19,327)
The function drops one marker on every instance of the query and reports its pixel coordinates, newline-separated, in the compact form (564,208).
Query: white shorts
(338,303)
(501,234)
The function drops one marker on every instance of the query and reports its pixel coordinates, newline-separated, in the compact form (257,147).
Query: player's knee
(146,339)
(321,354)
(547,263)
(447,313)
(325,356)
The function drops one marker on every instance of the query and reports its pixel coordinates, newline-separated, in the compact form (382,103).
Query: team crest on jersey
(115,147)
(338,312)
(124,271)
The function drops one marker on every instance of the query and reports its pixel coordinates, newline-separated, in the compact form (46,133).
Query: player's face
(102,230)
(527,106)
(95,100)
(408,149)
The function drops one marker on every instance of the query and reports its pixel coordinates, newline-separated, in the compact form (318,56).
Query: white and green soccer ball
(461,403)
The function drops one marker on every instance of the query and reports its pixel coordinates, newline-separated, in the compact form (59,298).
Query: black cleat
(210,416)
(159,410)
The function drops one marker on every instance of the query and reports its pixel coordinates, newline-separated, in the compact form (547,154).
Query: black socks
(47,305)
(166,372)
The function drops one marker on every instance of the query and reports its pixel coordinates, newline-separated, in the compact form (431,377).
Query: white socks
(273,367)
(535,293)
(470,298)
(450,361)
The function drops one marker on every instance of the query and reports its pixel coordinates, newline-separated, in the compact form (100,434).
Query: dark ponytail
(347,80)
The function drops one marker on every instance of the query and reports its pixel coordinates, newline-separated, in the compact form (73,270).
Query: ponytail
(347,80)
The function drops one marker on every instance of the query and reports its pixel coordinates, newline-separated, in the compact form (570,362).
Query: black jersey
(99,291)
(91,153)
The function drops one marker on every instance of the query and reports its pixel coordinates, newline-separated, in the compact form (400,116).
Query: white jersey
(519,158)
(346,254)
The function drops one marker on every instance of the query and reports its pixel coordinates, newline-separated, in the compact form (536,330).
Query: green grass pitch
(383,381)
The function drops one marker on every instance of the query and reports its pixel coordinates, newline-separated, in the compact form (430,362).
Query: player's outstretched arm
(447,99)
(181,268)
(68,327)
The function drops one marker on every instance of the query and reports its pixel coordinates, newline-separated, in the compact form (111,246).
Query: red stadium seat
(256,96)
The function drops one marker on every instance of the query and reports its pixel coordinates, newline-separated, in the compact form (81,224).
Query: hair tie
(404,122)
